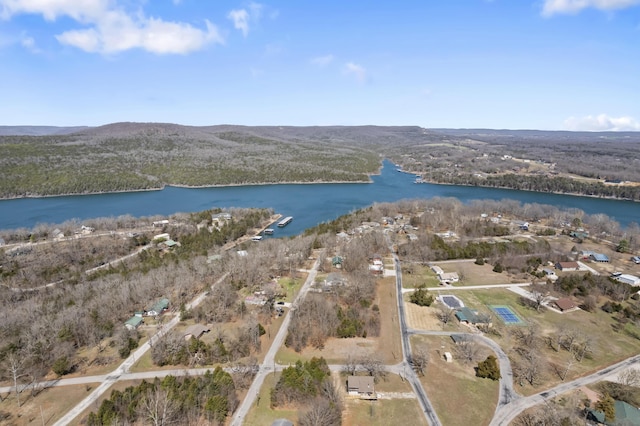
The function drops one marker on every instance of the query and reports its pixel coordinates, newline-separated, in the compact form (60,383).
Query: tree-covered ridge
(151,156)
(138,156)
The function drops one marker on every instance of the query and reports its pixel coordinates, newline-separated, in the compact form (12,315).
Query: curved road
(507,394)
(506,413)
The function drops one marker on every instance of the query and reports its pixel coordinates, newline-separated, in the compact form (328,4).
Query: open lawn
(458,396)
(383,412)
(45,408)
(424,317)
(608,346)
(414,275)
(261,413)
(472,274)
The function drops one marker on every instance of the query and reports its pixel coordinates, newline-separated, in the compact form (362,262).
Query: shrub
(488,368)
(498,268)
(479,261)
(421,297)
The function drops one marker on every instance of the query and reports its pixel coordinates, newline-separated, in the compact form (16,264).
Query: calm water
(308,204)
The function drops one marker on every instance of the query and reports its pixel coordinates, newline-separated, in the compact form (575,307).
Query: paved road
(425,404)
(123,369)
(506,413)
(468,287)
(507,393)
(268,364)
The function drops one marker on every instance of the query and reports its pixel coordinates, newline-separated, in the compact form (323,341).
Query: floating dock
(284,222)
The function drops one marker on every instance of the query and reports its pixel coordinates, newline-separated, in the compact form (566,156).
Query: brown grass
(387,345)
(458,396)
(609,346)
(46,407)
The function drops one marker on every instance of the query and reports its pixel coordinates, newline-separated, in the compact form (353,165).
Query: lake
(309,204)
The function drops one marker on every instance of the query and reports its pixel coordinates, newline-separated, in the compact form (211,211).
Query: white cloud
(79,10)
(112,30)
(602,123)
(241,18)
(322,61)
(552,7)
(356,70)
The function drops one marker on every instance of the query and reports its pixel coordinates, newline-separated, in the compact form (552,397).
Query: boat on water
(284,222)
(268,231)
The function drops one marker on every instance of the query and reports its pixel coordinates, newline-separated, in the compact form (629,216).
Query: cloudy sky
(535,64)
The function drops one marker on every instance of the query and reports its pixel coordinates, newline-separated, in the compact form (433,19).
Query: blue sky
(518,64)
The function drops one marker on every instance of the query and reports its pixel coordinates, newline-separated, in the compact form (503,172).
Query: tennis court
(506,314)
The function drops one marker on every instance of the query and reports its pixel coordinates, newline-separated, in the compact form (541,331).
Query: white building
(628,279)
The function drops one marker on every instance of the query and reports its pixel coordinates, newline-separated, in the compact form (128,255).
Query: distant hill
(38,130)
(48,160)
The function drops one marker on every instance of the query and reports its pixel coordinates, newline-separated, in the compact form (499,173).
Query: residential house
(471,317)
(567,266)
(565,304)
(377,266)
(581,235)
(628,279)
(160,223)
(158,308)
(361,386)
(438,270)
(460,338)
(220,219)
(599,257)
(195,331)
(549,274)
(448,278)
(626,415)
(335,279)
(133,322)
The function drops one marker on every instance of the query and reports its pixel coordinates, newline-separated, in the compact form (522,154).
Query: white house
(448,277)
(628,279)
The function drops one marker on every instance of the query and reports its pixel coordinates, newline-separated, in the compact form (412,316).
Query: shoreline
(369,181)
(81,194)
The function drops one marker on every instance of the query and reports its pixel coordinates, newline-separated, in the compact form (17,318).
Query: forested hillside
(138,156)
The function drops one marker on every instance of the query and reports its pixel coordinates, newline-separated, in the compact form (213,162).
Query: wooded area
(138,156)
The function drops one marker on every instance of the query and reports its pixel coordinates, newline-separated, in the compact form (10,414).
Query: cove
(309,204)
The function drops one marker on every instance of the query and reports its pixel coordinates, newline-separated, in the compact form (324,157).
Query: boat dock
(284,222)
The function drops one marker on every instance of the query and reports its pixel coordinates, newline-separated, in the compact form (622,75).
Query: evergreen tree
(489,368)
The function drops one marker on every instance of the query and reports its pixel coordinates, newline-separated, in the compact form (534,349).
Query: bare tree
(444,313)
(320,413)
(350,366)
(373,365)
(15,364)
(420,359)
(467,351)
(630,377)
(158,408)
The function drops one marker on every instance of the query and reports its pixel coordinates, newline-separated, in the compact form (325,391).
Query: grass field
(46,407)
(458,396)
(608,345)
(383,412)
